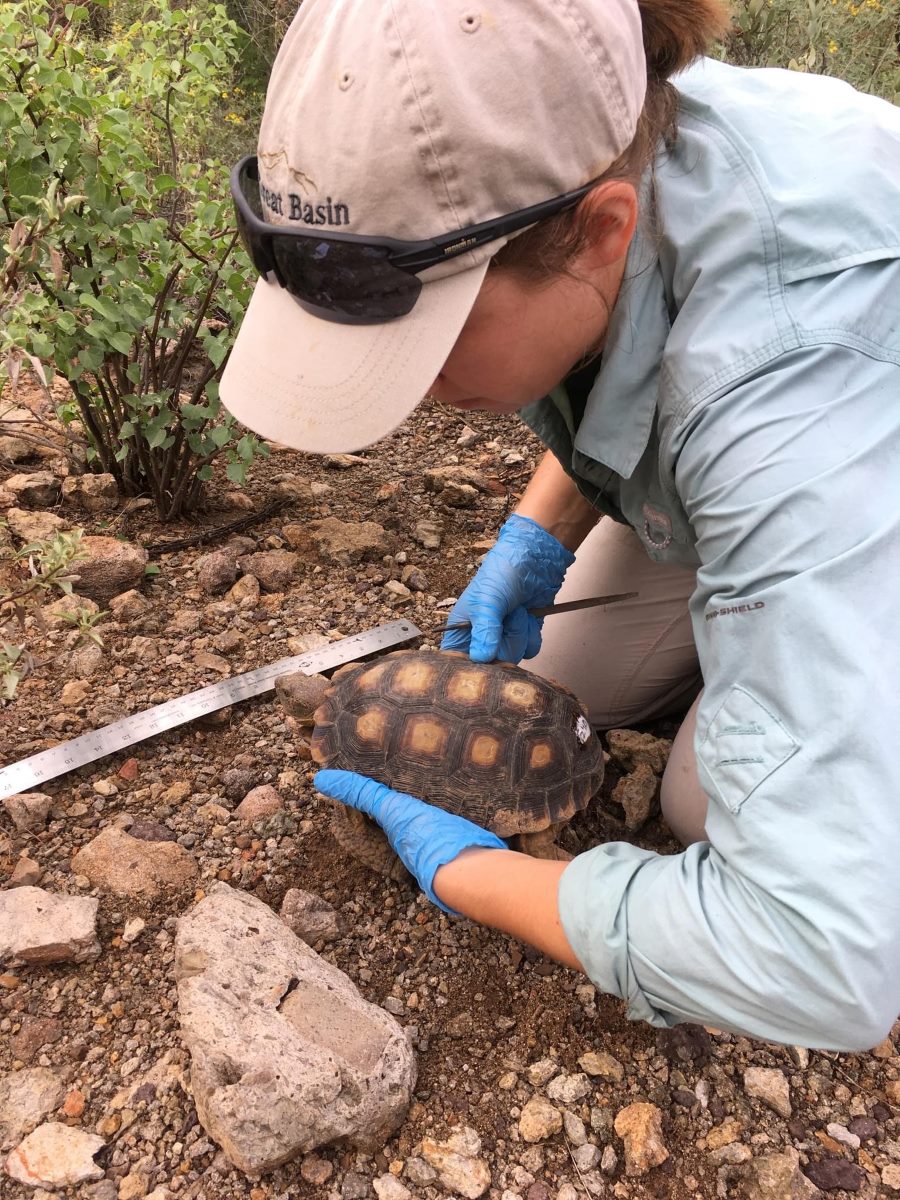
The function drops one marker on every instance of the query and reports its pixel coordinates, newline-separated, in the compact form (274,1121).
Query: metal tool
(58,760)
(550,610)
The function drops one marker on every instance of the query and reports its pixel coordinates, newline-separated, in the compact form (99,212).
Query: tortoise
(491,742)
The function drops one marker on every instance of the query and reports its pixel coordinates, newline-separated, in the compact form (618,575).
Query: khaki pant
(634,660)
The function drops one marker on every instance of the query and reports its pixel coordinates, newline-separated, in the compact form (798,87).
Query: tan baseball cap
(413,119)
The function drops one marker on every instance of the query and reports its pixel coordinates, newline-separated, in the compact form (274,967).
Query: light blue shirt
(746,419)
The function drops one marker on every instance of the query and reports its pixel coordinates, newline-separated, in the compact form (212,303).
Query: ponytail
(676,32)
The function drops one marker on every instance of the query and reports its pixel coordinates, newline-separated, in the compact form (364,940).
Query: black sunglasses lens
(345,278)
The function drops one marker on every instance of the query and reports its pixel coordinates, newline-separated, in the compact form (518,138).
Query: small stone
(864,1128)
(586,1157)
(729,1131)
(388,1187)
(216,572)
(885,1049)
(539,1120)
(309,916)
(540,1072)
(394,1005)
(28,810)
(316,1170)
(73,1105)
(507,1081)
(603,1065)
(773,1177)
(640,1128)
(771,1086)
(636,792)
(569,1089)
(732,1154)
(842,1134)
(890,1176)
(609,1161)
(832,1174)
(628,748)
(428,534)
(74,693)
(467,438)
(397,589)
(26,873)
(457,1163)
(260,802)
(133,930)
(110,568)
(34,1033)
(129,606)
(56,1155)
(275,569)
(575,1129)
(134,1186)
(419,1172)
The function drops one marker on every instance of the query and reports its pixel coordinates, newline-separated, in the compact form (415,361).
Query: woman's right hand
(524,569)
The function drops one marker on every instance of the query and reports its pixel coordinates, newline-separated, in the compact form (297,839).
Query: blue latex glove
(524,569)
(423,836)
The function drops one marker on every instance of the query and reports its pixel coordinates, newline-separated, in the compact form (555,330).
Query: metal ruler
(58,760)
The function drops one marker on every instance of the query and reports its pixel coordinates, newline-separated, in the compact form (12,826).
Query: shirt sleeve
(785,925)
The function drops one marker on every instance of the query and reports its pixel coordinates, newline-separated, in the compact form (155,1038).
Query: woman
(691,293)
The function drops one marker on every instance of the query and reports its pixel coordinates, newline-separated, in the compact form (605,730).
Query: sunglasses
(355,279)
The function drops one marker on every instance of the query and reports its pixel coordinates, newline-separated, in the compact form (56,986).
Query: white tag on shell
(582,729)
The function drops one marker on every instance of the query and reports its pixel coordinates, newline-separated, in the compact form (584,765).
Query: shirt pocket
(744,745)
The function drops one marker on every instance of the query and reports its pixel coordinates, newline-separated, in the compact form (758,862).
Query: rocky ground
(529,1083)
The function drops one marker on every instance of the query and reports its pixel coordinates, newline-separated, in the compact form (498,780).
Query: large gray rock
(40,489)
(26,1097)
(33,526)
(110,568)
(129,865)
(349,542)
(94,493)
(56,1155)
(39,927)
(285,1053)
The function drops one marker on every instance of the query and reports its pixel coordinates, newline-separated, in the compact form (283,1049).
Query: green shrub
(120,265)
(856,40)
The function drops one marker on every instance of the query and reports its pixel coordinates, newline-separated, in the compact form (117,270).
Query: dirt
(483,1007)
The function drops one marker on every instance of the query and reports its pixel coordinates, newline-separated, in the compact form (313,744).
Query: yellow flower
(832,47)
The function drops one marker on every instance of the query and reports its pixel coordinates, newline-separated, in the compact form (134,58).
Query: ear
(610,214)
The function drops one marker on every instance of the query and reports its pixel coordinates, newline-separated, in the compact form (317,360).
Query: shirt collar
(621,406)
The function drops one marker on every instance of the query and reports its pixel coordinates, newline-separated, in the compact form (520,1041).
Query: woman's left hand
(424,837)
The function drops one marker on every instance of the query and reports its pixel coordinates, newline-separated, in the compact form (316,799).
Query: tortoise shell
(489,741)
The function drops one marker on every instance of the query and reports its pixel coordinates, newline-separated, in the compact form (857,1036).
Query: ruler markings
(99,743)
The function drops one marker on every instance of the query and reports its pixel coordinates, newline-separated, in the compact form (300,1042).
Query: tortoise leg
(543,844)
(362,837)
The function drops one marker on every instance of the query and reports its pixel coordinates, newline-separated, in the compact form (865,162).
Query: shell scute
(474,738)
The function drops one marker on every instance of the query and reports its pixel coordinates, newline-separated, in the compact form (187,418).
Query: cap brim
(324,387)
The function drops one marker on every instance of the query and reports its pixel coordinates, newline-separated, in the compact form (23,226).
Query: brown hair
(675,33)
